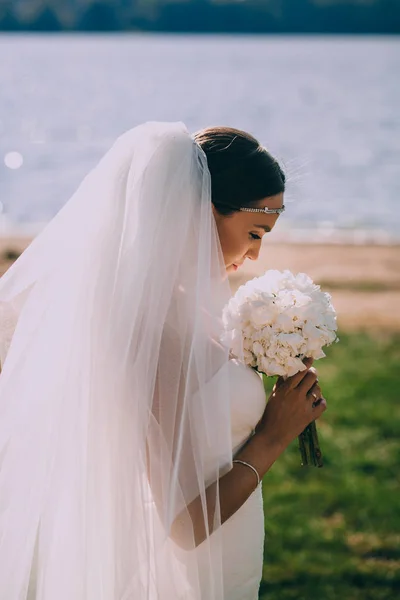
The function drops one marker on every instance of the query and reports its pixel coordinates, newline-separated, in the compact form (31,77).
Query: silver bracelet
(243,462)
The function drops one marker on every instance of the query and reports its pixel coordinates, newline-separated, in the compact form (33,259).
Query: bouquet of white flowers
(275,321)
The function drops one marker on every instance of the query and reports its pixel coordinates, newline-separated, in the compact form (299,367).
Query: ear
(215,212)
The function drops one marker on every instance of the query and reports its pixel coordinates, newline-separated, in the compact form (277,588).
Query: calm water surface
(329,108)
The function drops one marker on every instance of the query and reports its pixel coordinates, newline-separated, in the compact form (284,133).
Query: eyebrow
(265,227)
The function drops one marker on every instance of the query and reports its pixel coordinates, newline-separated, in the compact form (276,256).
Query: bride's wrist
(272,444)
(272,439)
(261,452)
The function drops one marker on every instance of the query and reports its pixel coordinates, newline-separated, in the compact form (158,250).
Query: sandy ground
(364,280)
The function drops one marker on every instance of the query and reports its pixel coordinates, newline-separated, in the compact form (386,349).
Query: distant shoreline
(282,17)
(314,235)
(364,280)
(155,33)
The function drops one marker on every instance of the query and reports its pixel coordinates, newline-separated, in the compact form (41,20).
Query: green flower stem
(310,450)
(311,455)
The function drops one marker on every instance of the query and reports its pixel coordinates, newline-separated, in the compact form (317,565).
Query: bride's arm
(234,489)
(286,415)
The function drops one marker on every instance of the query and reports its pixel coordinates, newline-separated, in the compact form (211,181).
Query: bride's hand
(292,406)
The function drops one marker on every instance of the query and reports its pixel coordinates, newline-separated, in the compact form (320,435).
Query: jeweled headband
(266,210)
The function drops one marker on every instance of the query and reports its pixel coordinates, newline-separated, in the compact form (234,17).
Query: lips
(236,266)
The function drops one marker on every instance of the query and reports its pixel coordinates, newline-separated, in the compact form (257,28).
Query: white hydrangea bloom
(276,320)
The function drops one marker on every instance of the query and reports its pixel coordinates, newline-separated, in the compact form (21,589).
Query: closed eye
(254,236)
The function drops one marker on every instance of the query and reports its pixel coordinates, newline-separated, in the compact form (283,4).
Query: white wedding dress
(243,533)
(110,424)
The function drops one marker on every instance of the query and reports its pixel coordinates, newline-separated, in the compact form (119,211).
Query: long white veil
(107,429)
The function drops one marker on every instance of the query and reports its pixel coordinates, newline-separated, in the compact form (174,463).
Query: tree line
(204,16)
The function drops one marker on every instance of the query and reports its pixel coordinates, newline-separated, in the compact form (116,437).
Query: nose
(254,252)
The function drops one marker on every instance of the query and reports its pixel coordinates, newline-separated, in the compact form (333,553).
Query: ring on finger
(316,401)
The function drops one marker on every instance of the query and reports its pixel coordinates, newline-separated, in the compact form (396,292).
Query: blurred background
(317,82)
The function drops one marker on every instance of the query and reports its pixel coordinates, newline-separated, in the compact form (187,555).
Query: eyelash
(254,236)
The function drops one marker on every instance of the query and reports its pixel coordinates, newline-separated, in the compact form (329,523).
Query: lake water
(328,108)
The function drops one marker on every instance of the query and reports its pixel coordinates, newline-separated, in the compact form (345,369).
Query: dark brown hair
(242,171)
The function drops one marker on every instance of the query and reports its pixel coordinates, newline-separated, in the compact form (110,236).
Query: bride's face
(241,233)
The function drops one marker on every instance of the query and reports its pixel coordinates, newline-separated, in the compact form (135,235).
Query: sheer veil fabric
(107,433)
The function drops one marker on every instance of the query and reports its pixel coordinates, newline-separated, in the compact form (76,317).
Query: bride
(132,444)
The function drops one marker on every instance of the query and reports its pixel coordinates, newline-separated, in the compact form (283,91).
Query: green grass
(334,533)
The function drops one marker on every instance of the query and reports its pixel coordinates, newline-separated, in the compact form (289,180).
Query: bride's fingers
(314,396)
(308,381)
(295,380)
(319,407)
(317,391)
